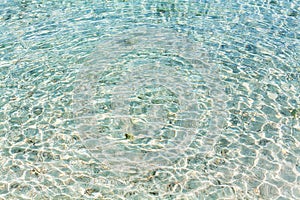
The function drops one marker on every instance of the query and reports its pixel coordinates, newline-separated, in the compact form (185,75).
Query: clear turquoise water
(149,99)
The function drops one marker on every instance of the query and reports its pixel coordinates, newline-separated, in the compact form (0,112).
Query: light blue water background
(123,99)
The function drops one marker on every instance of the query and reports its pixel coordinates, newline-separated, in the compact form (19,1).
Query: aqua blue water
(123,99)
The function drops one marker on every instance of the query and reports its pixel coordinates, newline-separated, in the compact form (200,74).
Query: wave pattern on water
(152,83)
(201,96)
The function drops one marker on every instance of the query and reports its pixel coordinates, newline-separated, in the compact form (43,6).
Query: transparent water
(149,99)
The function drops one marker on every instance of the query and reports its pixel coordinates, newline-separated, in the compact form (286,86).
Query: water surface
(149,100)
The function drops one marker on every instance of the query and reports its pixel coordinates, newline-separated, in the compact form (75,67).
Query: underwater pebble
(37,110)
(268,191)
(287,174)
(3,188)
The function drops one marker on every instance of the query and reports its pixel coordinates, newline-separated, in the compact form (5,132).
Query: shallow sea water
(149,99)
